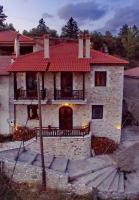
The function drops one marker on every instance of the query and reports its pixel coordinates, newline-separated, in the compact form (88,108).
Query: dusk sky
(90,14)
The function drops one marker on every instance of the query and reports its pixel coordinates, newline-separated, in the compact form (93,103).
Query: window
(100,78)
(97,112)
(33,112)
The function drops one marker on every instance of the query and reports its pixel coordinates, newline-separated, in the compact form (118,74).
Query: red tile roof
(134,72)
(4,62)
(63,57)
(8,37)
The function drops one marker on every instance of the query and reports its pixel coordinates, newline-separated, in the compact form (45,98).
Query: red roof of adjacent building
(8,37)
(63,57)
(134,72)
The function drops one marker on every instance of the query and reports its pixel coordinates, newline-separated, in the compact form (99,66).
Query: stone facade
(4,104)
(131,95)
(110,97)
(72,147)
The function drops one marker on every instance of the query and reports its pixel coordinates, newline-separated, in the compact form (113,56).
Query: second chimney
(46,46)
(80,45)
(17,45)
(87,46)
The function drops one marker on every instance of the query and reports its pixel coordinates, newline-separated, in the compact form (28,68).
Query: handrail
(57,132)
(29,94)
(69,94)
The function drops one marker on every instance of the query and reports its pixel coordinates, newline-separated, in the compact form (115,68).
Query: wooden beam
(83,86)
(15,86)
(54,86)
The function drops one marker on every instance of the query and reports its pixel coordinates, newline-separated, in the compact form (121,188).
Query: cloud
(82,11)
(46,15)
(127,15)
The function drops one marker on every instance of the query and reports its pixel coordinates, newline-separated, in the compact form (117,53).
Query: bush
(102,145)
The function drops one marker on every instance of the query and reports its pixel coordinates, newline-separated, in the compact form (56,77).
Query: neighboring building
(7,43)
(8,39)
(4,94)
(131,91)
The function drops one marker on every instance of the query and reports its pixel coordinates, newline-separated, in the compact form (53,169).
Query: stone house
(7,46)
(79,86)
(131,91)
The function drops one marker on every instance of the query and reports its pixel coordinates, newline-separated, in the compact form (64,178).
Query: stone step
(132,178)
(130,188)
(104,186)
(114,185)
(59,164)
(92,176)
(26,156)
(96,182)
(121,185)
(47,160)
(78,168)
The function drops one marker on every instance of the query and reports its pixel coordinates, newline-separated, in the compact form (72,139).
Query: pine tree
(70,30)
(2,18)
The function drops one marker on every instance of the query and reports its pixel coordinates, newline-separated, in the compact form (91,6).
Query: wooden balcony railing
(56,132)
(29,94)
(69,95)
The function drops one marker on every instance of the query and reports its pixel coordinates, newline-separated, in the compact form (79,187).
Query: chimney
(80,51)
(46,46)
(17,45)
(87,46)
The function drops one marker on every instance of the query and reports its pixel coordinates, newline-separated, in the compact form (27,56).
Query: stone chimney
(87,46)
(81,47)
(46,46)
(17,45)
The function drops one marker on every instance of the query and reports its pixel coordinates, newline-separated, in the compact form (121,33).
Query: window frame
(95,79)
(28,112)
(101,114)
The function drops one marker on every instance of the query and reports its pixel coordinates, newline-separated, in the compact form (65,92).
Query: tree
(130,42)
(70,30)
(97,39)
(123,30)
(2,18)
(40,30)
(9,27)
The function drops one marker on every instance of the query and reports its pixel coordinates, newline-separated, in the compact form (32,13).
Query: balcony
(57,132)
(29,94)
(69,95)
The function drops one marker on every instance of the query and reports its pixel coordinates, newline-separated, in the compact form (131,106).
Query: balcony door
(65,118)
(31,84)
(66,84)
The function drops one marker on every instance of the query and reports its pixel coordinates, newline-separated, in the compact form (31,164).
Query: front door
(65,118)
(66,84)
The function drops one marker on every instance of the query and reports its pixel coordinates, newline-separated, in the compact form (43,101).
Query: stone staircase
(99,172)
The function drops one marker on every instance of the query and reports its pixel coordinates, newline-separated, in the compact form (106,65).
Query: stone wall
(71,147)
(50,115)
(25,173)
(4,104)
(131,95)
(110,97)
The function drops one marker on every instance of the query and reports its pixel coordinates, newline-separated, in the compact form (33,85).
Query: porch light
(66,104)
(118,127)
(84,124)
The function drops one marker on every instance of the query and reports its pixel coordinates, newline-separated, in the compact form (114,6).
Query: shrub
(102,145)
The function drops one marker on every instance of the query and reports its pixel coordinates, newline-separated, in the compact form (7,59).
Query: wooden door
(65,118)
